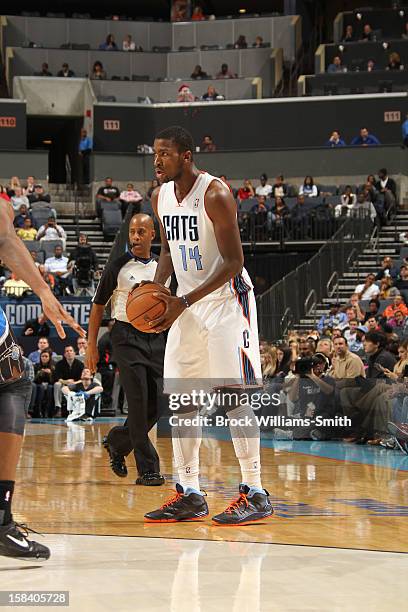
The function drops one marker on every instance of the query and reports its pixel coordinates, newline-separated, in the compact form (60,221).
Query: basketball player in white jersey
(213,335)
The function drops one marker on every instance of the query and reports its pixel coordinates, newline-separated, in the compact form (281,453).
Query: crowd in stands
(368,34)
(354,364)
(364,139)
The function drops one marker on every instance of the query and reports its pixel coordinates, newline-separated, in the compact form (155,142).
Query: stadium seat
(33,245)
(41,215)
(111,221)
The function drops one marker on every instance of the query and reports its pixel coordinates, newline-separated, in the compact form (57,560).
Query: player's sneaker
(180,507)
(400,432)
(117,461)
(150,479)
(14,542)
(246,509)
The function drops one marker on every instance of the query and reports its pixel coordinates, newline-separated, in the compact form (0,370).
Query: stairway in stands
(368,261)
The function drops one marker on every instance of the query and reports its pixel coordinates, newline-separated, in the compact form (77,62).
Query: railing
(301,290)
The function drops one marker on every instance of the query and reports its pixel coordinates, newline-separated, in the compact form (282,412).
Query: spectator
(47,277)
(365,139)
(403,237)
(398,322)
(3,194)
(279,189)
(82,345)
(18,199)
(98,73)
(373,309)
(58,267)
(333,318)
(385,288)
(387,269)
(306,348)
(109,44)
(350,333)
(27,232)
(130,196)
(247,191)
(398,304)
(198,14)
(185,94)
(241,42)
(351,314)
(346,366)
(208,145)
(371,65)
(348,202)
(34,258)
(264,188)
(279,212)
(394,62)
(225,73)
(37,327)
(22,216)
(29,188)
(44,70)
(14,184)
(404,128)
(260,207)
(43,345)
(283,361)
(372,324)
(67,371)
(336,65)
(405,32)
(44,375)
(308,188)
(84,152)
(402,283)
(225,180)
(128,44)
(198,73)
(66,72)
(106,193)
(335,140)
(368,34)
(367,290)
(52,231)
(259,43)
(388,188)
(153,185)
(211,94)
(348,34)
(363,204)
(39,195)
(15,287)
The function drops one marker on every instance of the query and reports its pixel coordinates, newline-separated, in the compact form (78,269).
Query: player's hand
(92,357)
(56,313)
(174,307)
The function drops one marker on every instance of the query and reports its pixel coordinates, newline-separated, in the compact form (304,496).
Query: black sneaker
(117,461)
(150,479)
(179,507)
(15,543)
(245,510)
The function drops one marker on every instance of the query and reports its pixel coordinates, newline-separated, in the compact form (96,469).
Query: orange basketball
(142,307)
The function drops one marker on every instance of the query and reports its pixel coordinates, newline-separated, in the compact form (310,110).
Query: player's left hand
(174,307)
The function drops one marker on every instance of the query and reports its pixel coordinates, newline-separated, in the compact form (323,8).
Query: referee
(138,355)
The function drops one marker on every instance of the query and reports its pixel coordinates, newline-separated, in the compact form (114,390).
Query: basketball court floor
(338,539)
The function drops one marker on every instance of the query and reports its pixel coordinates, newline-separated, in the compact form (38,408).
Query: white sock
(245,439)
(186,450)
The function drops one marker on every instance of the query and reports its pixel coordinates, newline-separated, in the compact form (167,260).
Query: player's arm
(18,259)
(222,210)
(165,265)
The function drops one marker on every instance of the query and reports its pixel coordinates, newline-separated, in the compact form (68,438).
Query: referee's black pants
(139,357)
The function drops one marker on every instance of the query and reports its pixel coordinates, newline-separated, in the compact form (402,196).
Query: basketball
(142,306)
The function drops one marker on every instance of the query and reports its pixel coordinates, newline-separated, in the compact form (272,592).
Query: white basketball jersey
(190,234)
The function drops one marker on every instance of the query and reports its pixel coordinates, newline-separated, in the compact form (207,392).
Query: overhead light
(47,141)
(386,45)
(242,10)
(401,13)
(341,48)
(359,16)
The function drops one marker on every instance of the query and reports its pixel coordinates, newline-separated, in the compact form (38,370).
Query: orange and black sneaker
(183,506)
(251,506)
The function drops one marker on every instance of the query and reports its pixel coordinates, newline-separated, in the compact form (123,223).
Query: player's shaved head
(142,219)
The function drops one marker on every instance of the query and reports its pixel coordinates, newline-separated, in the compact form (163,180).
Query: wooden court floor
(65,486)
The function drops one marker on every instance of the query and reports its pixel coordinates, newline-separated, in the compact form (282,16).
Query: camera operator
(84,263)
(311,393)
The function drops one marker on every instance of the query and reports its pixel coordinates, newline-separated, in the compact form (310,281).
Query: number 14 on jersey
(193,255)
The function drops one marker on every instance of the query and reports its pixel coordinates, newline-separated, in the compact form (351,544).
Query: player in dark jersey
(14,388)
